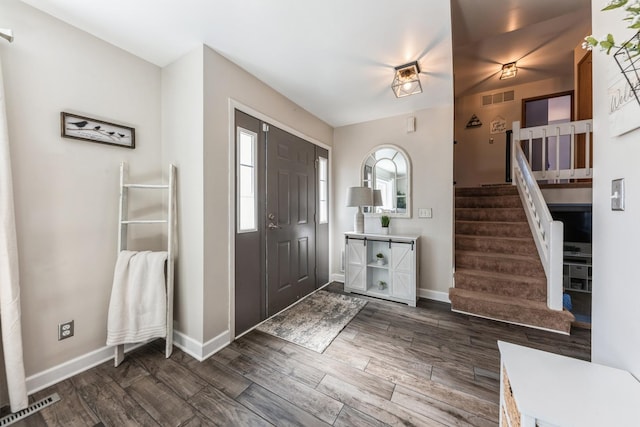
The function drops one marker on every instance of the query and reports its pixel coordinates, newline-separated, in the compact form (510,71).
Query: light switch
(617,194)
(425,213)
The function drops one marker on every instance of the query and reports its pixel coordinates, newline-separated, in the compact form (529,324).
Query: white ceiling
(335,58)
(539,34)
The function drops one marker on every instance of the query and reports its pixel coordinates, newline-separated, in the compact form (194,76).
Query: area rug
(315,321)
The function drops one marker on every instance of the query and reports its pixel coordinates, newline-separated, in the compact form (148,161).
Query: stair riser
(498,286)
(516,314)
(517,267)
(484,214)
(489,245)
(520,229)
(487,191)
(489,202)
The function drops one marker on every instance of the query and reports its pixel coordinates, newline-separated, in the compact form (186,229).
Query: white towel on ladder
(138,306)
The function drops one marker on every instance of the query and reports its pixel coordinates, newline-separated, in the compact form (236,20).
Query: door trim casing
(233,105)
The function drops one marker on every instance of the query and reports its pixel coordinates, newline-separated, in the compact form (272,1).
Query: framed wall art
(88,129)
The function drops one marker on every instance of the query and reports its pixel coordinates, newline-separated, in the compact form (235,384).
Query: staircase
(498,271)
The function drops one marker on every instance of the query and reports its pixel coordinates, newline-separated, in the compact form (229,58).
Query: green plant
(607,43)
(382,284)
(384,220)
(379,255)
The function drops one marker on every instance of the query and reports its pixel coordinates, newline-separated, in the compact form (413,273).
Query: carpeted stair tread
(534,281)
(491,282)
(488,201)
(498,256)
(498,190)
(517,265)
(494,228)
(510,309)
(491,214)
(500,245)
(498,270)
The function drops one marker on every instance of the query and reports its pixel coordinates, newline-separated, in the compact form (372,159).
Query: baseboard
(200,351)
(337,278)
(422,293)
(434,295)
(65,370)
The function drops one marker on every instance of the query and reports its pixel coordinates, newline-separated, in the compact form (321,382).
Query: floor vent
(30,410)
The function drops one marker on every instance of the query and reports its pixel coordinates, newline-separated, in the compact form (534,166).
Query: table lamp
(358,197)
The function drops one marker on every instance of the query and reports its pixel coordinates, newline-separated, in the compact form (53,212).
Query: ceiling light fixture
(509,71)
(407,80)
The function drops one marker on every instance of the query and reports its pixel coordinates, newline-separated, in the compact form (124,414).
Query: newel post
(554,278)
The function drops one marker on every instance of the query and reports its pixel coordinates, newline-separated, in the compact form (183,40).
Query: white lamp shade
(359,196)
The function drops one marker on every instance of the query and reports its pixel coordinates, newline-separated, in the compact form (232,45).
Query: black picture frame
(75,126)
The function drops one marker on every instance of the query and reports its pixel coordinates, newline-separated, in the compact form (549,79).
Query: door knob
(271,216)
(272,226)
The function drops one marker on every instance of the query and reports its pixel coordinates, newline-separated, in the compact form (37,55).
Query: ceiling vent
(498,98)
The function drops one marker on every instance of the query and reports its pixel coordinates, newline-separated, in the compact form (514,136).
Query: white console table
(394,277)
(538,388)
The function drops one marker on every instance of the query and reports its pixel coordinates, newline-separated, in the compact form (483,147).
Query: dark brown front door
(290,230)
(282,223)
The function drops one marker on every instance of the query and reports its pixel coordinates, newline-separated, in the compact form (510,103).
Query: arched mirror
(387,168)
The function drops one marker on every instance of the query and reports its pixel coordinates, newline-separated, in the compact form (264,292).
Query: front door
(291,206)
(282,233)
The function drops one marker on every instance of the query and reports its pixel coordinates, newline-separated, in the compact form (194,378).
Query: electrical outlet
(65,330)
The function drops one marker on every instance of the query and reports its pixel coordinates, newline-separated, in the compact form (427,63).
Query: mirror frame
(407,159)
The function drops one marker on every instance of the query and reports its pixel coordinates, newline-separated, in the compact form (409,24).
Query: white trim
(434,295)
(231,267)
(508,321)
(236,105)
(55,374)
(422,293)
(200,351)
(233,104)
(337,277)
(68,369)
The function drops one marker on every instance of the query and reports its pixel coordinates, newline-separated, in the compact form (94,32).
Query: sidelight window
(323,190)
(246,181)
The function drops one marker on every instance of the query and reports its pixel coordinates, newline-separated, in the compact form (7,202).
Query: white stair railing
(554,137)
(547,233)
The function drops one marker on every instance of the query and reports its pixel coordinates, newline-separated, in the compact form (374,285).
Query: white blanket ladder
(170,221)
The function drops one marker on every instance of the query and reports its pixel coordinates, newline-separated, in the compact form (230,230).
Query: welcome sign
(624,106)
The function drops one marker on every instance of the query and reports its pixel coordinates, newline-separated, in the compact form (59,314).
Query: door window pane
(323,190)
(246,181)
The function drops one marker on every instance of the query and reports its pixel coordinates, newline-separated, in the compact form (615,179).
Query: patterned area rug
(315,321)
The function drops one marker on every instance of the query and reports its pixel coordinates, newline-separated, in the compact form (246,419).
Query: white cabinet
(382,266)
(543,389)
(577,272)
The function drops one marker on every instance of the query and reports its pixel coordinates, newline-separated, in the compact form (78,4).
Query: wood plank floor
(392,365)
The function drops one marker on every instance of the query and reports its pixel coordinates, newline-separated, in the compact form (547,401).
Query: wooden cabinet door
(403,283)
(355,265)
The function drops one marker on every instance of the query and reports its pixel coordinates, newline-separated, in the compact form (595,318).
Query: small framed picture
(88,129)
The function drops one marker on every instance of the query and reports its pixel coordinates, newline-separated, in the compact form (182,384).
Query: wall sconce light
(509,71)
(358,197)
(407,80)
